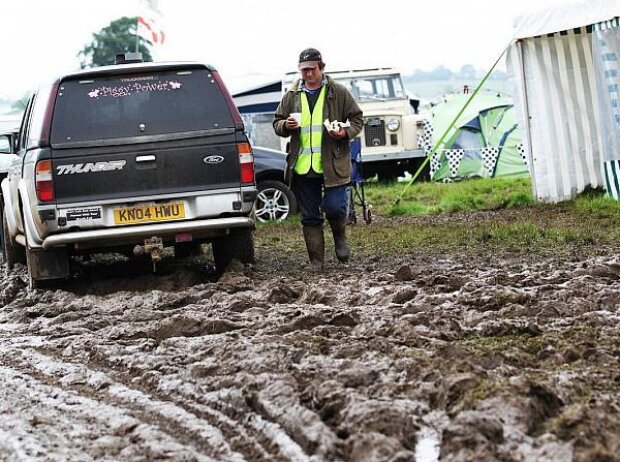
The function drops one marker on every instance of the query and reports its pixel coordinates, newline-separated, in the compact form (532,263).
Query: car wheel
(275,201)
(13,252)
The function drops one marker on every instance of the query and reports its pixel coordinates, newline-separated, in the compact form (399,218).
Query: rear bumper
(122,235)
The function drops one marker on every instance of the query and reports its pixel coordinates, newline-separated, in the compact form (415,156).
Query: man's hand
(337,134)
(291,123)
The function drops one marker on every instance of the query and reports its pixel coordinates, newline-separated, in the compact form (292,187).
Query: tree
(118,37)
(441,73)
(468,72)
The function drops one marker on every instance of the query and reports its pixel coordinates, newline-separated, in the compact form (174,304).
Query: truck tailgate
(82,175)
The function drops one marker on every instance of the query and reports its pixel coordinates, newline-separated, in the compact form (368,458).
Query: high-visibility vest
(311,135)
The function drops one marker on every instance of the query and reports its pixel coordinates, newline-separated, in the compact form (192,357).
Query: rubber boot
(315,244)
(339,230)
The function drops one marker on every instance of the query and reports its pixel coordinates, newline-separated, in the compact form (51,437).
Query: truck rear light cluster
(44,182)
(246,162)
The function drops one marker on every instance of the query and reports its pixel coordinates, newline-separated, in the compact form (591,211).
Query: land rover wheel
(13,252)
(238,245)
(275,201)
(415,164)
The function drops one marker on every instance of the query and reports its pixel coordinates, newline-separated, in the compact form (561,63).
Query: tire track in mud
(275,417)
(197,426)
(56,423)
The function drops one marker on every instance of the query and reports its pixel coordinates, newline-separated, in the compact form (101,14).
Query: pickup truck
(129,158)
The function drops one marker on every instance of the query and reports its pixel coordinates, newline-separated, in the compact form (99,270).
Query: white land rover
(392,129)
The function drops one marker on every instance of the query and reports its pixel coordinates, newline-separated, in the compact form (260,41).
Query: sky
(252,42)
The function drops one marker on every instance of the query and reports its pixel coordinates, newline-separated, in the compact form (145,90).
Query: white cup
(297,117)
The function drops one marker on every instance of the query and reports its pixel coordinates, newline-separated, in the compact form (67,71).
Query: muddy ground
(421,357)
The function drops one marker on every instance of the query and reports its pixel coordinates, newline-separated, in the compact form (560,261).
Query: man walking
(318,161)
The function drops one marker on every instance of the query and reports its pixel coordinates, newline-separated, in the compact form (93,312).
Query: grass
(492,216)
(435,198)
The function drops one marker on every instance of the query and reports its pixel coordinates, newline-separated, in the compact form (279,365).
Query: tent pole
(450,127)
(526,107)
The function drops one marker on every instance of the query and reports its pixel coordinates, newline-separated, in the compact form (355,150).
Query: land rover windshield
(136,105)
(378,87)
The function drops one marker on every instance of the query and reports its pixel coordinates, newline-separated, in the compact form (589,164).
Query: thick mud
(457,358)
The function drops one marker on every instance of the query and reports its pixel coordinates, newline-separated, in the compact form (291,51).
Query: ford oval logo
(213,160)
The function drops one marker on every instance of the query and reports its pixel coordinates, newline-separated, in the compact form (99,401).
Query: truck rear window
(138,105)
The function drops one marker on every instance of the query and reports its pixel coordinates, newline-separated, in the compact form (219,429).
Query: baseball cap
(309,58)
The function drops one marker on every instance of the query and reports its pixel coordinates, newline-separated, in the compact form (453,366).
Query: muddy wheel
(415,164)
(237,245)
(13,252)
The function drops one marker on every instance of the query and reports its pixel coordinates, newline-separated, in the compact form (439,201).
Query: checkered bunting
(490,155)
(454,159)
(521,151)
(425,139)
(435,162)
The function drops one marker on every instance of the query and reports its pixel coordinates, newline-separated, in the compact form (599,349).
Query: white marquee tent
(565,64)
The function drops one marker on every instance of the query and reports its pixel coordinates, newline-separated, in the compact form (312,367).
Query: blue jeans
(314,200)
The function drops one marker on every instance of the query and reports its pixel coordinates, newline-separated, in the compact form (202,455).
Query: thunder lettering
(90,167)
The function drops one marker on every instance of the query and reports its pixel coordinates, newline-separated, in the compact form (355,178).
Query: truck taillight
(44,182)
(246,162)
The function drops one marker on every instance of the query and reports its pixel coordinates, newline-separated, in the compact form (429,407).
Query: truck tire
(237,245)
(13,252)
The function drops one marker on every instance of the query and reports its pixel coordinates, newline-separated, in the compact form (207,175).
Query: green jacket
(339,105)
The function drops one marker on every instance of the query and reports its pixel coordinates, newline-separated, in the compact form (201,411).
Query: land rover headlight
(393,124)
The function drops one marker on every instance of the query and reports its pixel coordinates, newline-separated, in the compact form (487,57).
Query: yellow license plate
(161,212)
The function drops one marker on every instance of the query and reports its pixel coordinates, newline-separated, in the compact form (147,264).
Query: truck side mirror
(415,104)
(6,144)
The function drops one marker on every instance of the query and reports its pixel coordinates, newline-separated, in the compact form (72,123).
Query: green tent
(484,142)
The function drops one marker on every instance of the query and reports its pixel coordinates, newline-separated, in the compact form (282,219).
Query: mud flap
(48,264)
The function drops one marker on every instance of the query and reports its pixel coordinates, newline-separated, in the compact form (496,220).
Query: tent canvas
(563,96)
(257,106)
(485,141)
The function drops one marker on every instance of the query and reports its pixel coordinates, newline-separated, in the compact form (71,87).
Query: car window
(138,105)
(23,130)
(374,87)
(5,144)
(39,116)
